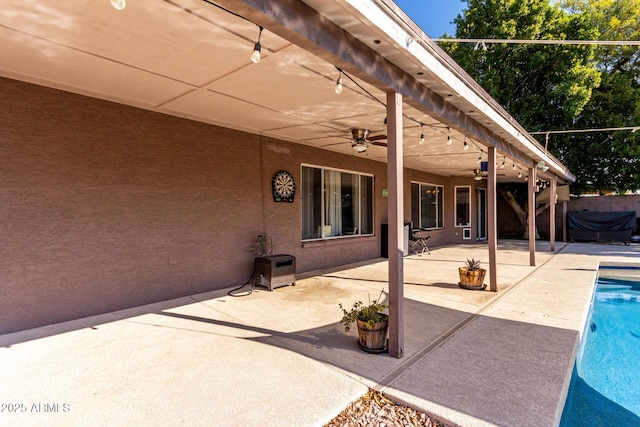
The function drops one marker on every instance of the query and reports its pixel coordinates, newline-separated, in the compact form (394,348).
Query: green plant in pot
(472,275)
(372,324)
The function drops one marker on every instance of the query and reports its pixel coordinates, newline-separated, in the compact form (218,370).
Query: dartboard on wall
(284,187)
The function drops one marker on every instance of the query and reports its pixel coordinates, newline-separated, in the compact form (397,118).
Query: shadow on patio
(470,356)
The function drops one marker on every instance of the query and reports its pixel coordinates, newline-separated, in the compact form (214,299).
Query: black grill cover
(601,221)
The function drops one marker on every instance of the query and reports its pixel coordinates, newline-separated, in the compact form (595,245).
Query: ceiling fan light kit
(362,139)
(360,147)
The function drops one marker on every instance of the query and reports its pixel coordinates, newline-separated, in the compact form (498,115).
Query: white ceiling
(191,59)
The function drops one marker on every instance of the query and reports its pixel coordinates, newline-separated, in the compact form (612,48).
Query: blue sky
(433,16)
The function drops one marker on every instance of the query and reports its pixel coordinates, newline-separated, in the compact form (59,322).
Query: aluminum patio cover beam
(298,23)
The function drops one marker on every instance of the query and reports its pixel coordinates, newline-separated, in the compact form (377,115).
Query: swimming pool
(605,387)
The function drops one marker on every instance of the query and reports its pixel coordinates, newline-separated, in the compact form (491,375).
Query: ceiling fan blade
(381,144)
(376,137)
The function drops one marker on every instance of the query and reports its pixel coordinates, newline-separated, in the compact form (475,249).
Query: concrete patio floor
(281,358)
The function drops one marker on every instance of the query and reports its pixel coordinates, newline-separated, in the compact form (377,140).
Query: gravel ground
(375,410)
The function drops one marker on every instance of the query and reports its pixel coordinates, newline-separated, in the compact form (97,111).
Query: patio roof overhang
(189,58)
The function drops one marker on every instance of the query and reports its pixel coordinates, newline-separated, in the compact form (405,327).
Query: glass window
(463,206)
(426,205)
(311,203)
(335,203)
(366,202)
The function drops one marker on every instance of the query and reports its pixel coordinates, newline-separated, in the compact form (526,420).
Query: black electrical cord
(371,96)
(227,10)
(252,281)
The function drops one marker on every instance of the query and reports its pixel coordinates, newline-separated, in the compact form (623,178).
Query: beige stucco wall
(629,203)
(106,206)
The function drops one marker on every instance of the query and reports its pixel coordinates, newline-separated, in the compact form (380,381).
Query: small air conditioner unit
(275,270)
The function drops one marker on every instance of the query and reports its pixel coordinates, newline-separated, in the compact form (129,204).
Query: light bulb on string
(479,159)
(118,4)
(339,83)
(514,167)
(503,161)
(421,134)
(449,140)
(519,174)
(255,55)
(465,145)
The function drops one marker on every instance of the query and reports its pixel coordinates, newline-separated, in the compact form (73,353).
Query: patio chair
(419,241)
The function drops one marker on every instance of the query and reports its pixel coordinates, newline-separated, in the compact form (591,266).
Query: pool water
(605,387)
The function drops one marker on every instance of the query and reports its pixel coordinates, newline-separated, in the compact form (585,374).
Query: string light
(482,42)
(633,129)
(514,166)
(546,134)
(118,4)
(255,55)
(465,145)
(504,159)
(479,159)
(372,97)
(519,174)
(339,83)
(421,134)
(449,140)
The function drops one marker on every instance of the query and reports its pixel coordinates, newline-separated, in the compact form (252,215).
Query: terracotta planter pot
(373,338)
(472,279)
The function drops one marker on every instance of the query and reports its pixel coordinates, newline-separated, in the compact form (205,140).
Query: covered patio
(281,357)
(191,59)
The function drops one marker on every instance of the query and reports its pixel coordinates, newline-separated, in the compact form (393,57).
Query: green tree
(612,162)
(562,87)
(543,86)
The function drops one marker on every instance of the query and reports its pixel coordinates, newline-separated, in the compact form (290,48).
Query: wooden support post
(531,219)
(396,224)
(552,214)
(492,222)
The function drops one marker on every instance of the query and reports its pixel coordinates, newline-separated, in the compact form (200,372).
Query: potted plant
(471,275)
(372,324)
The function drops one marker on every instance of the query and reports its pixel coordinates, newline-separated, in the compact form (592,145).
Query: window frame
(361,205)
(439,206)
(455,206)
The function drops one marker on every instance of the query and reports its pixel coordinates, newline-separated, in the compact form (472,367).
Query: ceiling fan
(361,140)
(478,175)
